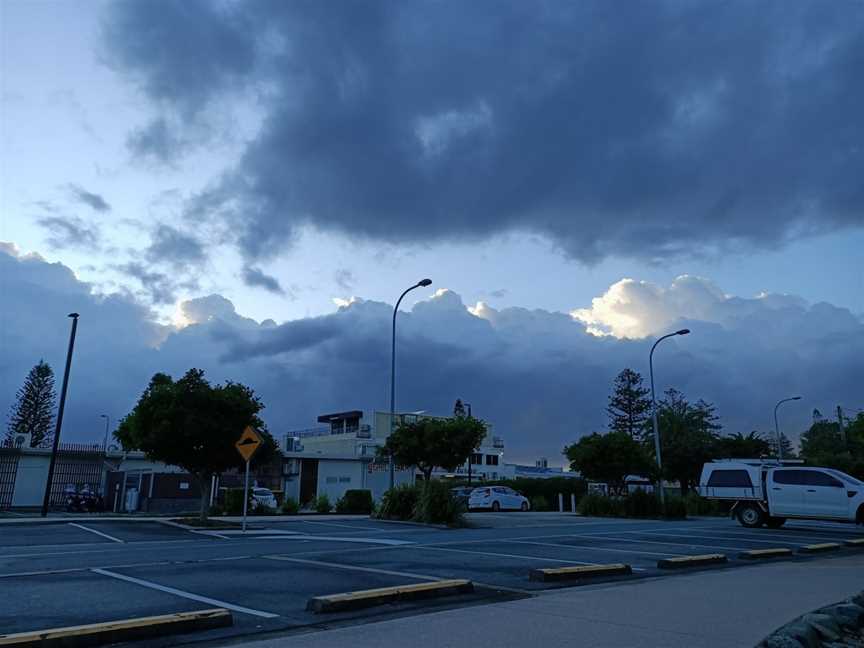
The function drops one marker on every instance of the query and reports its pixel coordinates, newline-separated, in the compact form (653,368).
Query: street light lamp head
(682,332)
(424,282)
(73,315)
(796,398)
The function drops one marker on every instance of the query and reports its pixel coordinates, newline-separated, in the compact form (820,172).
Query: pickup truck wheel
(775,522)
(750,516)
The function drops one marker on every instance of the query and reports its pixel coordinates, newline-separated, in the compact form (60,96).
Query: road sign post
(246,445)
(245,496)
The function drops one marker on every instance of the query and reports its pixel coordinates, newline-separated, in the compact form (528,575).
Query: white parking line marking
(681,541)
(505,555)
(303,538)
(187,595)
(793,539)
(99,533)
(590,548)
(371,570)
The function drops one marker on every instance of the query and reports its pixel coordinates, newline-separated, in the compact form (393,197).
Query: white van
(769,492)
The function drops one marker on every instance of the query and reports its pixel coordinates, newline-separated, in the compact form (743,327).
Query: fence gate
(77,464)
(8,471)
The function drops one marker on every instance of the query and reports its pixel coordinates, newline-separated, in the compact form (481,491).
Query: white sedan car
(263,497)
(497,498)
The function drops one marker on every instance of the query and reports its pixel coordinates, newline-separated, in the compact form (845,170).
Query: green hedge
(355,501)
(638,504)
(322,504)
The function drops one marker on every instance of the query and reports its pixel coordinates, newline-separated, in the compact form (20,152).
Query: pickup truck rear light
(851,493)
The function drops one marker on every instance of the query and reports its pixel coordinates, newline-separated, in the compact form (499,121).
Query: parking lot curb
(370,597)
(855,542)
(96,634)
(583,572)
(758,554)
(683,562)
(821,547)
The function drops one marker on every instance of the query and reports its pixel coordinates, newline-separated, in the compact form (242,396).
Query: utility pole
(47,499)
(842,427)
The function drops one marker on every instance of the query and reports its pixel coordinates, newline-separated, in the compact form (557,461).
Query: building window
(491,460)
(344,480)
(477,459)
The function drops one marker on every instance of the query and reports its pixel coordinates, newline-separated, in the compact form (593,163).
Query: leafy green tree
(740,446)
(823,445)
(433,442)
(689,434)
(33,410)
(608,458)
(192,424)
(629,406)
(785,445)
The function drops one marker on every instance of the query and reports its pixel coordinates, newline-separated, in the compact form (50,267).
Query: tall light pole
(107,423)
(777,426)
(46,500)
(654,412)
(420,284)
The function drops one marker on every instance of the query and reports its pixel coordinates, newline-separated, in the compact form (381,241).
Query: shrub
(676,509)
(355,501)
(641,504)
(596,505)
(435,505)
(546,488)
(399,503)
(698,505)
(258,508)
(322,504)
(540,503)
(290,507)
(234,501)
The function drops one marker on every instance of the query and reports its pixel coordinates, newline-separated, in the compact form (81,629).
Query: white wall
(335,477)
(30,479)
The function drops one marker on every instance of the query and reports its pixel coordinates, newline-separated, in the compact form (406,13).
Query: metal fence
(8,471)
(77,465)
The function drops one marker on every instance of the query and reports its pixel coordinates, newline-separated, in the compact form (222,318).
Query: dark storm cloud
(255,277)
(69,232)
(535,375)
(157,140)
(168,244)
(92,200)
(647,129)
(157,287)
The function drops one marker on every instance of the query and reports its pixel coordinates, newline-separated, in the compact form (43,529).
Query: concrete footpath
(732,608)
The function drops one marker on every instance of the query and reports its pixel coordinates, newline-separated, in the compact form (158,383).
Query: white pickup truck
(768,492)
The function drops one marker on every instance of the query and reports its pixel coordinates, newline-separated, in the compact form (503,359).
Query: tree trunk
(204,483)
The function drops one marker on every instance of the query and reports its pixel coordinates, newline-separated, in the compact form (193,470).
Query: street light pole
(107,423)
(47,498)
(654,412)
(471,456)
(419,284)
(777,426)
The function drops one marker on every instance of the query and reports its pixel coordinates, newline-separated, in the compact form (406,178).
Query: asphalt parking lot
(85,571)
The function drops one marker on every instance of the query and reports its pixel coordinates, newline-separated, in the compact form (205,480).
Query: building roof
(340,416)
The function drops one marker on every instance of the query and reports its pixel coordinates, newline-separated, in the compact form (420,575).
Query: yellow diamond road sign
(248,443)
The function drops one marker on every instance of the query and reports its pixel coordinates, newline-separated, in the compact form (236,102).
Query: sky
(247,186)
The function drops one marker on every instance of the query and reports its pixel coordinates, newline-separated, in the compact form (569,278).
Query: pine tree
(629,406)
(33,411)
(459,409)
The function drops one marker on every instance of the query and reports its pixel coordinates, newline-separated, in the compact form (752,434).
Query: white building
(341,454)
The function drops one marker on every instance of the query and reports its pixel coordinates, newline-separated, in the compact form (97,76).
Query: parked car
(769,492)
(263,497)
(461,495)
(497,498)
